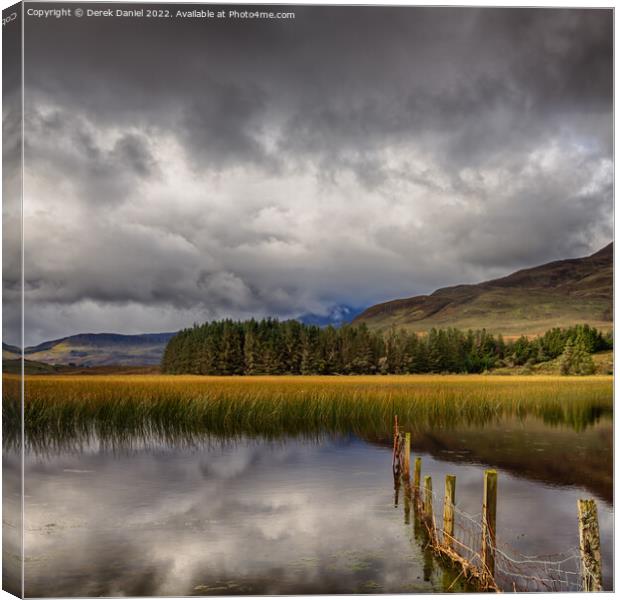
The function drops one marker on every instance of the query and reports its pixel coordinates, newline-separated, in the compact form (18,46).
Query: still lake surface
(294,515)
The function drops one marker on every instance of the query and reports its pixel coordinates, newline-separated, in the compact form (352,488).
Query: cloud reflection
(253,517)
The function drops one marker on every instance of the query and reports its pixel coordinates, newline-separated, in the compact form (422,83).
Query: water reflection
(259,517)
(527,448)
(11,523)
(57,417)
(243,518)
(523,445)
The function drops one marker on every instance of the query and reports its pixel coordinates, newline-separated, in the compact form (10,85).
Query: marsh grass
(60,408)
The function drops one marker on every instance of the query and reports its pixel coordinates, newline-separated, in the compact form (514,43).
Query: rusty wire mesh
(512,570)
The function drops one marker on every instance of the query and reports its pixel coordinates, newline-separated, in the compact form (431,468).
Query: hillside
(529,301)
(96,350)
(10,352)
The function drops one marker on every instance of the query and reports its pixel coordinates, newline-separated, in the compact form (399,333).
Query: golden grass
(196,383)
(61,405)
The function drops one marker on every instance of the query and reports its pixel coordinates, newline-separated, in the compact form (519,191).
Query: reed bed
(169,407)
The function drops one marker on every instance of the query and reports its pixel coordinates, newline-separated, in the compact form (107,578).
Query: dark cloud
(223,128)
(132,150)
(11,183)
(70,149)
(207,168)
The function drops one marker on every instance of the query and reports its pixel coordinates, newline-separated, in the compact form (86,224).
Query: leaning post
(489,520)
(395,445)
(448,511)
(589,546)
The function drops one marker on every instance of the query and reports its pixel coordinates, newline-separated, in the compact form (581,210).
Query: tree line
(272,347)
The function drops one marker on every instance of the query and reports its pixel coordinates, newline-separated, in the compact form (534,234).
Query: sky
(182,170)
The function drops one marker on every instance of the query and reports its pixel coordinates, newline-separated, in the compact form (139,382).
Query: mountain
(530,301)
(13,365)
(10,352)
(337,316)
(97,349)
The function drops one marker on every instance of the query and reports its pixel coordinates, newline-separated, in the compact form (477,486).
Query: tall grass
(59,408)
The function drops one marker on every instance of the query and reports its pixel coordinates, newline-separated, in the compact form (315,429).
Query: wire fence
(494,565)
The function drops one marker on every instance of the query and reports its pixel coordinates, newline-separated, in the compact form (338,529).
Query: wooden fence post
(406,457)
(395,450)
(489,519)
(448,510)
(396,490)
(589,546)
(417,474)
(407,500)
(428,497)
(428,508)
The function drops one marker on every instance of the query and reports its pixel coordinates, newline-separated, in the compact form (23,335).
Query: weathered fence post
(428,508)
(428,497)
(396,490)
(448,511)
(406,457)
(589,546)
(407,505)
(417,473)
(395,433)
(489,519)
(395,449)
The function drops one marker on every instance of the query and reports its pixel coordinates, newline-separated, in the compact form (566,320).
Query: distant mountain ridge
(10,352)
(96,349)
(336,316)
(530,301)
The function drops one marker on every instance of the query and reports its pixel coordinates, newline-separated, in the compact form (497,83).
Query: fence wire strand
(512,569)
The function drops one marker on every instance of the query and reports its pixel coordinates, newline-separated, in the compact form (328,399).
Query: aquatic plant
(169,407)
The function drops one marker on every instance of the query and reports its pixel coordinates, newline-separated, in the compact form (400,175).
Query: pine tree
(576,359)
(251,353)
(566,364)
(289,347)
(582,359)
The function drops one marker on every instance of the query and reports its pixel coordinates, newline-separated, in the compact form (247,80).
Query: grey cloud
(132,150)
(557,210)
(428,68)
(63,146)
(223,128)
(350,156)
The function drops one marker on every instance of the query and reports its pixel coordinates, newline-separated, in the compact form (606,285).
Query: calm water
(293,516)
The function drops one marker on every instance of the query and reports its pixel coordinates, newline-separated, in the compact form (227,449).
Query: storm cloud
(179,170)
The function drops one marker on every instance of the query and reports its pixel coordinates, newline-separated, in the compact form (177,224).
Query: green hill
(31,367)
(557,294)
(96,350)
(10,352)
